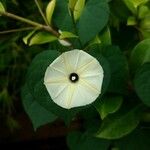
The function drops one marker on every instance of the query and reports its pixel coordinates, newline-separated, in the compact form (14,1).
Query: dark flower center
(73,77)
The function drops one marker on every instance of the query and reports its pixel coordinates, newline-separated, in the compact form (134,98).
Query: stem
(33,23)
(41,12)
(16,30)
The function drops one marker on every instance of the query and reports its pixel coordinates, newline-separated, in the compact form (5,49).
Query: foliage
(116,33)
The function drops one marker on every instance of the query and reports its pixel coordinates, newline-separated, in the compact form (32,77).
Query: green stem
(41,12)
(33,23)
(16,30)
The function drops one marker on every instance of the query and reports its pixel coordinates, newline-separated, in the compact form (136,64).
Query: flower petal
(59,65)
(83,96)
(56,89)
(66,93)
(72,58)
(54,76)
(84,59)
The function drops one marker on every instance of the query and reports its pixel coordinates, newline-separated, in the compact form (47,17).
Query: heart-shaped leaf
(142,83)
(93,19)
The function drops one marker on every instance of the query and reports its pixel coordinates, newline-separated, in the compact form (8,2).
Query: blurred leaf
(140,55)
(5,59)
(72,4)
(49,10)
(12,123)
(137,140)
(93,19)
(143,11)
(42,38)
(78,9)
(130,6)
(109,105)
(145,26)
(79,141)
(145,34)
(120,124)
(90,113)
(137,3)
(5,100)
(142,83)
(131,21)
(133,5)
(145,22)
(2,9)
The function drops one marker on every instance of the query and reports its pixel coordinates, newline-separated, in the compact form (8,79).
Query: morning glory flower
(74,79)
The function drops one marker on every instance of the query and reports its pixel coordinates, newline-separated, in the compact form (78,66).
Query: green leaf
(145,33)
(38,67)
(131,21)
(91,120)
(2,8)
(106,67)
(109,105)
(38,114)
(137,3)
(49,10)
(28,37)
(138,140)
(79,141)
(145,22)
(66,34)
(42,38)
(130,6)
(78,9)
(93,19)
(44,99)
(72,4)
(143,11)
(140,55)
(105,36)
(118,15)
(120,124)
(142,83)
(118,67)
(63,20)
(96,40)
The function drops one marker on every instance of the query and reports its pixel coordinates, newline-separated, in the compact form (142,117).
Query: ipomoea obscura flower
(74,79)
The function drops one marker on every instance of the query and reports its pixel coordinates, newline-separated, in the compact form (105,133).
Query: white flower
(74,79)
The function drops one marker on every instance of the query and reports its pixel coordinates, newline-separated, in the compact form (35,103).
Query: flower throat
(73,77)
